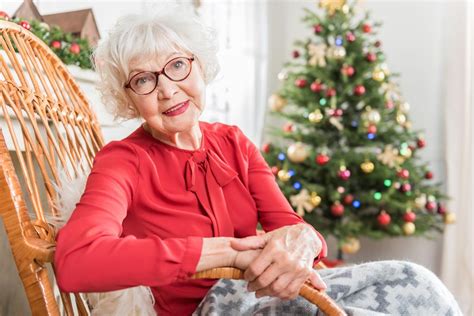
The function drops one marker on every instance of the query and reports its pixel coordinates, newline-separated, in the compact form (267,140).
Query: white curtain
(238,96)
(457,265)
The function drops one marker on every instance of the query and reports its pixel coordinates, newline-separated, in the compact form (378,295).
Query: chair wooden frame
(58,130)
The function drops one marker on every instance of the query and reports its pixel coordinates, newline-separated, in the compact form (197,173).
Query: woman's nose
(166,88)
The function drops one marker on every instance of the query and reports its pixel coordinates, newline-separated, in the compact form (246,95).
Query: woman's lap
(373,288)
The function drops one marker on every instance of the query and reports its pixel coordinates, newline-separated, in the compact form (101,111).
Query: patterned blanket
(373,288)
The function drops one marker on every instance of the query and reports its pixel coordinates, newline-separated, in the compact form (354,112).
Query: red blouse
(147,205)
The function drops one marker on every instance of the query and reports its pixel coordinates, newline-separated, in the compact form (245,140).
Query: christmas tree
(347,157)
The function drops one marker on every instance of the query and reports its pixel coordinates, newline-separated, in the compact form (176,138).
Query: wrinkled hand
(284,263)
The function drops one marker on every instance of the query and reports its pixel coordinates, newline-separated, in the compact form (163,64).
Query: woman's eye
(142,80)
(178,64)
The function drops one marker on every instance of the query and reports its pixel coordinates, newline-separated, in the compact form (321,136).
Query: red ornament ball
(404,174)
(348,199)
(25,24)
(429,175)
(409,217)
(359,90)
(331,92)
(344,174)
(420,143)
(300,83)
(56,44)
(337,209)
(441,209)
(350,37)
(296,54)
(430,205)
(389,104)
(372,129)
(337,112)
(318,28)
(384,219)
(288,127)
(75,48)
(348,70)
(316,86)
(266,148)
(406,187)
(371,57)
(275,170)
(366,28)
(322,159)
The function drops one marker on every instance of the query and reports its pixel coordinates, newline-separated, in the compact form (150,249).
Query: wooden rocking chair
(48,126)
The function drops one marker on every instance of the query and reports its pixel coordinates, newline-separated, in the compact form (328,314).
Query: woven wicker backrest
(47,126)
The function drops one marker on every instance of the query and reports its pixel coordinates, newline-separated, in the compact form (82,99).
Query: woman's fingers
(317,281)
(268,255)
(266,278)
(248,243)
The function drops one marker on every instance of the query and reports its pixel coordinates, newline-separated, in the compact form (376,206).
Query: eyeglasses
(145,82)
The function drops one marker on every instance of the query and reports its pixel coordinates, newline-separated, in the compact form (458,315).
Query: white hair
(139,37)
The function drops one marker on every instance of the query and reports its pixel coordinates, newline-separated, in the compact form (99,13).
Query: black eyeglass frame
(157,73)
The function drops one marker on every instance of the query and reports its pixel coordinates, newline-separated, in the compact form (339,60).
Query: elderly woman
(179,195)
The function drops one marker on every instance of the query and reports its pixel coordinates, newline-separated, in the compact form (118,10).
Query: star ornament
(331,6)
(390,157)
(318,54)
(302,202)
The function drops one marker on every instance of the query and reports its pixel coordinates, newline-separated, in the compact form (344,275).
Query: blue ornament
(339,41)
(281,156)
(354,123)
(291,172)
(370,136)
(297,185)
(356,203)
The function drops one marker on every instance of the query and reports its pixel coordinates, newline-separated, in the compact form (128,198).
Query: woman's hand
(285,261)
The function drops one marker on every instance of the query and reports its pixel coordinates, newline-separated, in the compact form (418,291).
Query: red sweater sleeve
(92,256)
(274,210)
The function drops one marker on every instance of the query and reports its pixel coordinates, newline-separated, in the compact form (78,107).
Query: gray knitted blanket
(374,288)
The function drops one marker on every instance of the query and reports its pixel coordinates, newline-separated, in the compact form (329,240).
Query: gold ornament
(317,52)
(283,175)
(331,6)
(351,245)
(336,52)
(367,166)
(449,218)
(302,202)
(315,199)
(407,125)
(276,102)
(316,116)
(401,118)
(420,201)
(390,157)
(297,152)
(409,228)
(378,75)
(371,116)
(404,107)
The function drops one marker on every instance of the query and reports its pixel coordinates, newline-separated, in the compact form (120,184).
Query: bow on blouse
(206,173)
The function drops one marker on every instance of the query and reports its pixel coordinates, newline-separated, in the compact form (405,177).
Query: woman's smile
(177,109)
